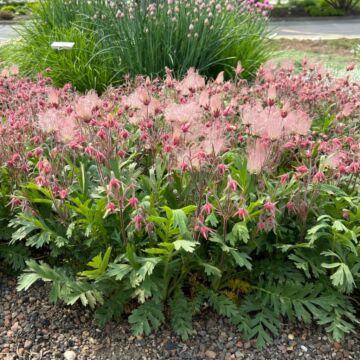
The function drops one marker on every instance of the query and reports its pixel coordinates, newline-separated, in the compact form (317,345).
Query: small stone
(27,344)
(15,327)
(169,346)
(210,354)
(247,345)
(303,348)
(69,355)
(20,352)
(291,337)
(238,354)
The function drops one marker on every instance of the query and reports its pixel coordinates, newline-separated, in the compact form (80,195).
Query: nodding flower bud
(114,184)
(185,127)
(203,230)
(16,157)
(284,178)
(319,177)
(121,154)
(168,148)
(38,152)
(184,166)
(207,208)
(221,168)
(138,219)
(242,213)
(63,194)
(133,202)
(238,69)
(110,207)
(269,206)
(290,206)
(232,185)
(302,169)
(351,66)
(101,134)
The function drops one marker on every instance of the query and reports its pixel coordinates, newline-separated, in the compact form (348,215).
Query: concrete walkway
(327,28)
(7,32)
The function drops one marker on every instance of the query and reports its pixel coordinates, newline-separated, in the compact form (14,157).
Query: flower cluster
(206,188)
(189,123)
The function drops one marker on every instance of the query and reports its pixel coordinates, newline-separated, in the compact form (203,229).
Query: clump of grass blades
(88,65)
(142,37)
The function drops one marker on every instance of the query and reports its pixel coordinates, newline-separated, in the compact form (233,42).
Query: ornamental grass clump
(114,39)
(163,197)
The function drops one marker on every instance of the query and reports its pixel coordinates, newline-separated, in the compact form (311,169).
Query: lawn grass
(335,55)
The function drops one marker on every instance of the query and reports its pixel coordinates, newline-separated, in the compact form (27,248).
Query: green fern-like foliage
(147,317)
(64,287)
(181,317)
(14,256)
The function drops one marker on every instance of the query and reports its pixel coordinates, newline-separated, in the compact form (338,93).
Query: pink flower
(185,127)
(63,194)
(261,226)
(207,208)
(41,181)
(121,154)
(319,177)
(177,114)
(232,185)
(351,66)
(238,69)
(242,213)
(354,167)
(192,82)
(16,158)
(86,104)
(133,202)
(269,206)
(290,206)
(297,122)
(114,184)
(284,178)
(204,231)
(44,167)
(302,169)
(14,202)
(138,219)
(38,152)
(144,96)
(101,134)
(258,153)
(221,168)
(216,105)
(110,207)
(271,95)
(184,166)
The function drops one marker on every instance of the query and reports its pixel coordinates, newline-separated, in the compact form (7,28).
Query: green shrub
(145,38)
(323,9)
(9,8)
(344,5)
(6,15)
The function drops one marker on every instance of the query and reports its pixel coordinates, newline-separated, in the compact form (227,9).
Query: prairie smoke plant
(169,194)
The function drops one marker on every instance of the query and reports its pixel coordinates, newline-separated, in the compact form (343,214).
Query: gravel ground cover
(32,328)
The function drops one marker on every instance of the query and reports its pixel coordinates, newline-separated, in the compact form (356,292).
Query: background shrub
(143,38)
(6,15)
